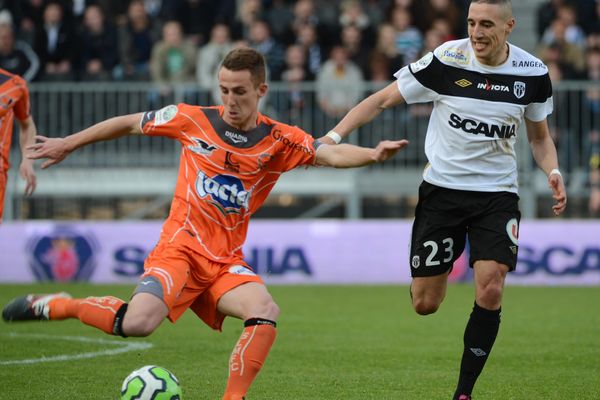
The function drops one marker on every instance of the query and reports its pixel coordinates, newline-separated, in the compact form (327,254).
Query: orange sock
(98,312)
(248,356)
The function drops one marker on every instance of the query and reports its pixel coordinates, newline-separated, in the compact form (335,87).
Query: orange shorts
(190,280)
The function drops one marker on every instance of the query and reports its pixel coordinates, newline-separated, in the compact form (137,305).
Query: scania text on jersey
(226,190)
(129,260)
(481,128)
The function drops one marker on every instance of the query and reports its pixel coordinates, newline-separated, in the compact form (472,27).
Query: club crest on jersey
(519,89)
(165,114)
(201,147)
(225,192)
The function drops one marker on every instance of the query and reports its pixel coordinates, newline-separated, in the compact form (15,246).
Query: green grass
(334,342)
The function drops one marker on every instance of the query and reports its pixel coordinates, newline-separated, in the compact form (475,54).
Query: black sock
(479,338)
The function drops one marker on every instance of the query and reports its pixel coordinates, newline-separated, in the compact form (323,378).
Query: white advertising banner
(288,252)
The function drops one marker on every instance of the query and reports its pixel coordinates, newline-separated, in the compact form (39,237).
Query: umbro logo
(463,83)
(478,352)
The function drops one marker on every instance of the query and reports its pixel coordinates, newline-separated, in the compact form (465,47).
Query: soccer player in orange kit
(231,158)
(14,102)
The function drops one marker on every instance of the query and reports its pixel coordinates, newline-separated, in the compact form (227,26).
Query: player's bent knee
(267,309)
(425,306)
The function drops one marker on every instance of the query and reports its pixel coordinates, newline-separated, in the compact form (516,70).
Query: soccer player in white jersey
(482,88)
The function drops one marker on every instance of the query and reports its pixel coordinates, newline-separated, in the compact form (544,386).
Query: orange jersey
(14,101)
(224,174)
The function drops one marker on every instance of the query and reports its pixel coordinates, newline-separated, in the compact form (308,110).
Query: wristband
(333,135)
(555,171)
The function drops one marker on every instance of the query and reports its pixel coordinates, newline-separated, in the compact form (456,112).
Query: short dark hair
(507,4)
(245,58)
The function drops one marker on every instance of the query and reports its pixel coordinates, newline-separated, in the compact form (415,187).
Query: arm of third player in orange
(54,150)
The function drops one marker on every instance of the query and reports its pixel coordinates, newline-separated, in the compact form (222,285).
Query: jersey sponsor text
(481,128)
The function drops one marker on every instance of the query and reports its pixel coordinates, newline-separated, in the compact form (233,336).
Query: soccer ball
(151,383)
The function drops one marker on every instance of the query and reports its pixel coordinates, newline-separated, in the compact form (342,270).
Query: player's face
(489,27)
(240,97)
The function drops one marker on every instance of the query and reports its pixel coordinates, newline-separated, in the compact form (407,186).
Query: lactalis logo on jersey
(455,55)
(226,192)
(236,137)
(481,128)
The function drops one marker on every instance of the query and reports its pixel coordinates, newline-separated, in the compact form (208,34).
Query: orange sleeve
(22,107)
(168,121)
(297,147)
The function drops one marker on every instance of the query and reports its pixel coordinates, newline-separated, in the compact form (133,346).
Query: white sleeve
(411,88)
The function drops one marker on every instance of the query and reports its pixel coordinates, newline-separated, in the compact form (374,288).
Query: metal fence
(137,165)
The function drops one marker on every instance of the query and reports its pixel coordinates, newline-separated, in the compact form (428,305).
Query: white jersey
(470,143)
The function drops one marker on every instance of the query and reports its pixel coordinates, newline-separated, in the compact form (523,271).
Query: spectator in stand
(353,14)
(280,16)
(442,26)
(546,13)
(100,47)
(593,23)
(173,58)
(570,57)
(209,60)
(261,40)
(249,11)
(567,15)
(197,19)
(409,39)
(305,15)
(386,49)
(592,105)
(356,49)
(294,74)
(56,45)
(16,56)
(446,10)
(309,39)
(339,85)
(137,37)
(29,15)
(433,39)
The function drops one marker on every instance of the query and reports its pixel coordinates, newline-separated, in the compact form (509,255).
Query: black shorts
(444,218)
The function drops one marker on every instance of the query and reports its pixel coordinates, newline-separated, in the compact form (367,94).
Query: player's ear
(262,89)
(510,25)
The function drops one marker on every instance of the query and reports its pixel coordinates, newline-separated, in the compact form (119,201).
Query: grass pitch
(334,342)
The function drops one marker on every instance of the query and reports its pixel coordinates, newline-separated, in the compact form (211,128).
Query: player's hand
(386,149)
(559,193)
(28,175)
(53,149)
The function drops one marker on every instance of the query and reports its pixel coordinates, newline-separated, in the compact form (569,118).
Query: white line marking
(122,347)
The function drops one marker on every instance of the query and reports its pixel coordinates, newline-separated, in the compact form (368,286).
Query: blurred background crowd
(304,40)
(330,44)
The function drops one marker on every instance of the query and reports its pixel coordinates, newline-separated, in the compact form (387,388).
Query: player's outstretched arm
(27,133)
(54,150)
(364,112)
(544,154)
(349,156)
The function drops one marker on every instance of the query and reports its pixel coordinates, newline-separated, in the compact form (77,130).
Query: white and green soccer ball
(151,383)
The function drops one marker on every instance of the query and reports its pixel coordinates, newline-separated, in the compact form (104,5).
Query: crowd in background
(338,44)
